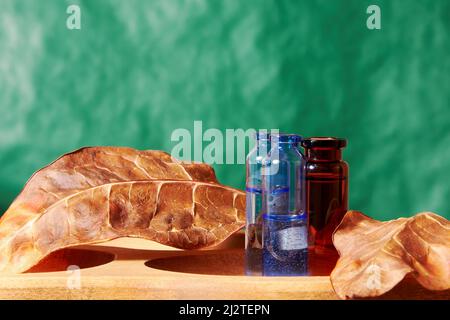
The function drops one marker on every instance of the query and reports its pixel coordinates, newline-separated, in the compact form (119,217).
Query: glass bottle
(285,224)
(253,237)
(326,189)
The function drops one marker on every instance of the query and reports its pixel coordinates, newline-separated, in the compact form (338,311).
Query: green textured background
(139,69)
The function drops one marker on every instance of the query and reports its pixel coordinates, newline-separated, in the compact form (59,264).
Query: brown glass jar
(326,189)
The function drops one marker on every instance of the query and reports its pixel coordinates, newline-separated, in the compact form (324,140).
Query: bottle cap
(286,137)
(324,142)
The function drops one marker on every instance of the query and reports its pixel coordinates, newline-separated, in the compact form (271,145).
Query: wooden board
(130,268)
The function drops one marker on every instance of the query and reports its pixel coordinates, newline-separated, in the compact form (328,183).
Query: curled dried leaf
(101,193)
(375,255)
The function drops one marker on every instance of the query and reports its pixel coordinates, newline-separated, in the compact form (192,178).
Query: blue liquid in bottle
(285,224)
(285,245)
(253,234)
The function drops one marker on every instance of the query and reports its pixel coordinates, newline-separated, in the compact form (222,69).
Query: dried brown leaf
(375,256)
(101,193)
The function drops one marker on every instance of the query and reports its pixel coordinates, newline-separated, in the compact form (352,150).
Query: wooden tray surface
(129,268)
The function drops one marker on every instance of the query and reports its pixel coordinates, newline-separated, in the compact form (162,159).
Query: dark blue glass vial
(285,223)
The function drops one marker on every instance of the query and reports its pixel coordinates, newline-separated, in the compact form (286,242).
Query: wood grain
(130,268)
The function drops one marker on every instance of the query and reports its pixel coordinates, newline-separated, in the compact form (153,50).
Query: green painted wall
(139,69)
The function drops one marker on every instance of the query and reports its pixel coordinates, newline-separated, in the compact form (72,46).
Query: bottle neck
(285,145)
(323,154)
(263,144)
(262,147)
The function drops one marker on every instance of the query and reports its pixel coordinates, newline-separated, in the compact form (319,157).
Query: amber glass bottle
(326,189)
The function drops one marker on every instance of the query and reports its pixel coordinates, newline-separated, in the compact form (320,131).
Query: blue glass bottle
(285,223)
(253,234)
